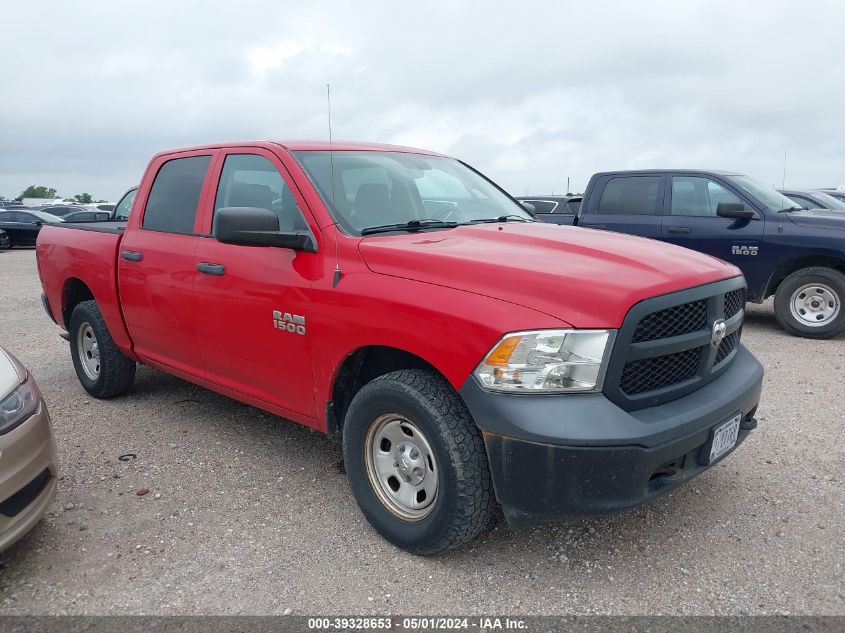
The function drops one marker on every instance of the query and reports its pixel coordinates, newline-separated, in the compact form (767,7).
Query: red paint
(445,296)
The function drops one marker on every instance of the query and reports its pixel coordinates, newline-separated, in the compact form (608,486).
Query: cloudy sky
(528,92)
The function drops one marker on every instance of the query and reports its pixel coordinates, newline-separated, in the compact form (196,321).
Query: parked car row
(21,225)
(814,199)
(784,250)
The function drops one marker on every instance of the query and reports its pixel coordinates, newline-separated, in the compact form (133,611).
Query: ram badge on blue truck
(796,255)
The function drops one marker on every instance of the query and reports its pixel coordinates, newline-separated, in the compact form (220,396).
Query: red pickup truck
(467,357)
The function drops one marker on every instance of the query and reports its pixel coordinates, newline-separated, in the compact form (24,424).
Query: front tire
(809,302)
(100,366)
(416,462)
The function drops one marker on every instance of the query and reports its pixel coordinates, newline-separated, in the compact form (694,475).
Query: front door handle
(603,227)
(678,229)
(211,269)
(131,256)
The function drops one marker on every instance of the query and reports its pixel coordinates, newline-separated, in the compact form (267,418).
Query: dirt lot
(248,513)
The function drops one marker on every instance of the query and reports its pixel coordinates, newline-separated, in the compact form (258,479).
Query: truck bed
(89,252)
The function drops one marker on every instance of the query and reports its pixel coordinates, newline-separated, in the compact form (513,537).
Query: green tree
(39,191)
(84,198)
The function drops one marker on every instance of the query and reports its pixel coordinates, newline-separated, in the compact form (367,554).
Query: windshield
(829,201)
(373,189)
(767,196)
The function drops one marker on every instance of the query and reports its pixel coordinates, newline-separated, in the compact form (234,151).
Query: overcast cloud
(528,92)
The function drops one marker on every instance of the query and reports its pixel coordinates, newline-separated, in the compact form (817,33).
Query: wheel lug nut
(415,453)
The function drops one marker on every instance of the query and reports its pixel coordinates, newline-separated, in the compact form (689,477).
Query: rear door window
(630,195)
(573,206)
(175,194)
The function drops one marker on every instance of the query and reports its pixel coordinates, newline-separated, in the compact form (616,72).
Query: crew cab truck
(796,255)
(402,303)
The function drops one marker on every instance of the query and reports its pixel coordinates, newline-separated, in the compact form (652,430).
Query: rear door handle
(131,256)
(211,269)
(678,229)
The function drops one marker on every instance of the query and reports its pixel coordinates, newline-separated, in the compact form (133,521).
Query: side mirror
(530,208)
(735,210)
(254,226)
(37,222)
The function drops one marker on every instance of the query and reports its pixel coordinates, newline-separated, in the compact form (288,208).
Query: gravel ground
(248,513)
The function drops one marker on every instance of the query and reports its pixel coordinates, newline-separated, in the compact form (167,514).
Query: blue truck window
(630,195)
(696,196)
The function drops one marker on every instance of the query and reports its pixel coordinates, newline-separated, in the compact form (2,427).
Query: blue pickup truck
(796,255)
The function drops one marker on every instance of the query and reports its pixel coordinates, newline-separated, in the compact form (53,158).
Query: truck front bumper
(559,456)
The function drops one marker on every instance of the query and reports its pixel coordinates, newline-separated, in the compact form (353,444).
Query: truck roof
(300,145)
(720,172)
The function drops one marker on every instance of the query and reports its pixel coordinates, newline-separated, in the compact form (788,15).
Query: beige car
(28,467)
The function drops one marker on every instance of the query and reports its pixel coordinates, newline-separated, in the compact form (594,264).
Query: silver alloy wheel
(814,305)
(401,466)
(88,350)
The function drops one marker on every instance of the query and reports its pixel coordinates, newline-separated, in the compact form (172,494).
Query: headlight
(547,361)
(18,406)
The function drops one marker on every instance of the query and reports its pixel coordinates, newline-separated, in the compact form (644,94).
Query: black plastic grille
(26,495)
(734,302)
(727,345)
(682,319)
(662,371)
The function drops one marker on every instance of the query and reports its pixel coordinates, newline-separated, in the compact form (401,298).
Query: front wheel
(808,302)
(416,462)
(100,366)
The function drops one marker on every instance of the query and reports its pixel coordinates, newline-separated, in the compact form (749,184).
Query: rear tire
(416,462)
(100,366)
(809,302)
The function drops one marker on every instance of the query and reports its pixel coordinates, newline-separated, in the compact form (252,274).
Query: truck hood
(587,278)
(821,218)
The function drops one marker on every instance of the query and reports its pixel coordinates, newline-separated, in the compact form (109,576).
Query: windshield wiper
(410,225)
(792,208)
(501,218)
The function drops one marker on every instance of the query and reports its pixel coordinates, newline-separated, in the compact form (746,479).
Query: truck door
(252,315)
(626,204)
(156,263)
(691,221)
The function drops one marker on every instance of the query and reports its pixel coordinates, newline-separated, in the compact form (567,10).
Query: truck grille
(654,373)
(734,302)
(672,322)
(665,347)
(727,345)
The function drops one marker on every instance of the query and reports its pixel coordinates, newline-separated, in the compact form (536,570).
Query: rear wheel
(416,462)
(808,302)
(100,366)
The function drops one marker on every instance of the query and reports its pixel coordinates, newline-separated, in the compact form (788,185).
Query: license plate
(724,437)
